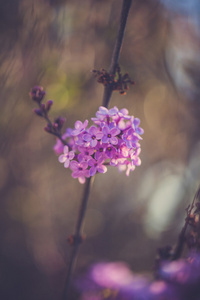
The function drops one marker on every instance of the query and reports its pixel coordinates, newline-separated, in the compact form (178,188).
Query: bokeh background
(56,44)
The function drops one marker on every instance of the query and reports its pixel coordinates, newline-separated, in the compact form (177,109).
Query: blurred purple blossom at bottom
(177,280)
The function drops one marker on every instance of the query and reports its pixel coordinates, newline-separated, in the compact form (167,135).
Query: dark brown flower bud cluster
(37,93)
(117,81)
(56,126)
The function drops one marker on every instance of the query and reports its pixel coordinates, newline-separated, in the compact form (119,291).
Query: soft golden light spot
(155,106)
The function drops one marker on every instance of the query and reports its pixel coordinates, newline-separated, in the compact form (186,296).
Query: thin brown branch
(77,236)
(107,94)
(116,51)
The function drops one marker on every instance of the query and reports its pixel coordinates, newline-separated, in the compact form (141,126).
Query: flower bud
(48,105)
(37,93)
(48,128)
(38,112)
(58,123)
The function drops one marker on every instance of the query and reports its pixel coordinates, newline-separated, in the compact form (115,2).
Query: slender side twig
(106,98)
(52,129)
(116,51)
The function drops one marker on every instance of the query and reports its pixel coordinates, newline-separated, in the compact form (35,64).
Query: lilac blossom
(182,271)
(131,138)
(113,139)
(121,117)
(177,280)
(100,151)
(136,123)
(85,153)
(93,135)
(66,157)
(118,162)
(80,170)
(134,156)
(130,167)
(110,151)
(113,280)
(104,113)
(110,134)
(79,127)
(97,166)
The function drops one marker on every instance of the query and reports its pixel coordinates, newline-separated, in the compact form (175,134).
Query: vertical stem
(106,98)
(116,51)
(77,236)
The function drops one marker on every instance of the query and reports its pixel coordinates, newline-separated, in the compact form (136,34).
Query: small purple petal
(87,137)
(113,111)
(66,164)
(114,140)
(101,169)
(61,158)
(93,143)
(84,165)
(66,149)
(114,131)
(71,155)
(73,165)
(93,130)
(81,179)
(105,130)
(136,122)
(78,124)
(75,174)
(104,139)
(99,135)
(139,130)
(93,171)
(91,162)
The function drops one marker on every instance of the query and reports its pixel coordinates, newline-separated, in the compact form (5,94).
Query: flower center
(93,137)
(109,135)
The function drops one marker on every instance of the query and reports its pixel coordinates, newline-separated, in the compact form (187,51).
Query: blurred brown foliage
(56,44)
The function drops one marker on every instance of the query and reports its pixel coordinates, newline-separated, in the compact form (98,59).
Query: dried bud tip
(117,81)
(37,93)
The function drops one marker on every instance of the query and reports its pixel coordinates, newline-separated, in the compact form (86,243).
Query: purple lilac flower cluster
(113,139)
(177,280)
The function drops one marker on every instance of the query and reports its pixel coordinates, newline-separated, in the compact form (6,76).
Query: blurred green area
(57,44)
